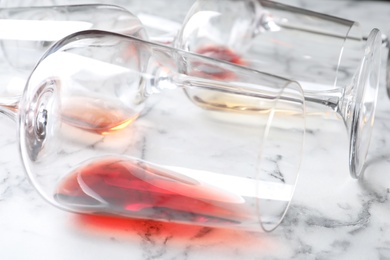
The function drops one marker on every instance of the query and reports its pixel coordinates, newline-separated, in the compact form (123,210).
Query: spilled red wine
(215,99)
(221,53)
(131,188)
(211,71)
(96,115)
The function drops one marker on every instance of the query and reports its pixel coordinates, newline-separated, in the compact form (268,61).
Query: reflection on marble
(332,216)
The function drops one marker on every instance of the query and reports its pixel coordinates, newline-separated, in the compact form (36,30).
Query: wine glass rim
(90,33)
(282,213)
(53,7)
(370,65)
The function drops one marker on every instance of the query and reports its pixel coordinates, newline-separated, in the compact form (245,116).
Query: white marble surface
(332,216)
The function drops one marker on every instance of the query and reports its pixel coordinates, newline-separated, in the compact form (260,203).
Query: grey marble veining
(331,217)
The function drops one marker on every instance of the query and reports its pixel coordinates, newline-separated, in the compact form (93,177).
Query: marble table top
(332,216)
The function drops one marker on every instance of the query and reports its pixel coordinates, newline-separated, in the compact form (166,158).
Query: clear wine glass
(105,128)
(28,32)
(327,55)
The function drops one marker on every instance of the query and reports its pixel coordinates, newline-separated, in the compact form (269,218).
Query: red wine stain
(221,53)
(213,71)
(132,189)
(99,116)
(173,234)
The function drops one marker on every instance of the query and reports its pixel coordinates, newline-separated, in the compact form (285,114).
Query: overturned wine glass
(105,128)
(336,67)
(27,32)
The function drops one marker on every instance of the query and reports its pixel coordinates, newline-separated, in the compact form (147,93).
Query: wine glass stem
(387,46)
(330,98)
(9,107)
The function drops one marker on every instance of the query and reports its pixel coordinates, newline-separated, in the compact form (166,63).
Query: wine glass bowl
(173,161)
(29,31)
(336,67)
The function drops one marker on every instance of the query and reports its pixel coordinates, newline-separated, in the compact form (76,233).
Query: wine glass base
(364,104)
